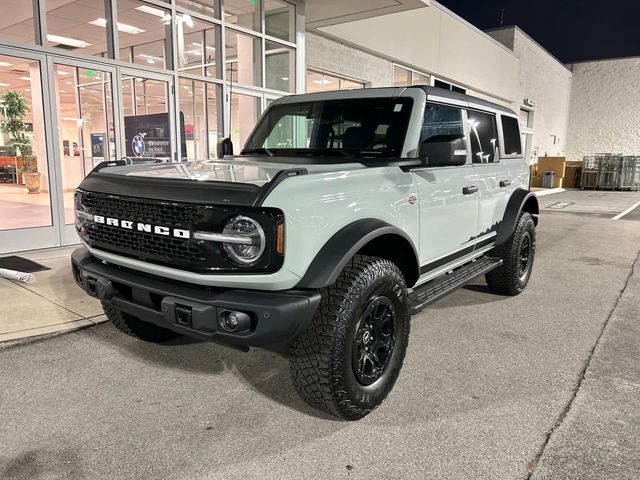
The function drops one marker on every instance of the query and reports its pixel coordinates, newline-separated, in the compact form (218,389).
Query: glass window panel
(245,110)
(243,58)
(212,118)
(197,46)
(279,18)
(245,13)
(314,81)
(440,120)
(401,76)
(511,134)
(419,79)
(350,85)
(80,26)
(484,136)
(146,123)
(192,110)
(17,24)
(23,155)
(146,47)
(206,7)
(280,64)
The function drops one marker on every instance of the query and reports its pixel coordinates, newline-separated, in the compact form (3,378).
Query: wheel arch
(521,201)
(368,236)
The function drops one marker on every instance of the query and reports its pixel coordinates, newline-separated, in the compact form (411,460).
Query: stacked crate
(606,171)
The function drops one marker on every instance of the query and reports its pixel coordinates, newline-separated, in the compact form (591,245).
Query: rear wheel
(135,327)
(517,254)
(349,358)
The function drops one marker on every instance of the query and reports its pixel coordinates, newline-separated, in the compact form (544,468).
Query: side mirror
(225,147)
(444,151)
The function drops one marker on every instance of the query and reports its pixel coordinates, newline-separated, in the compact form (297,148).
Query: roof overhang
(322,13)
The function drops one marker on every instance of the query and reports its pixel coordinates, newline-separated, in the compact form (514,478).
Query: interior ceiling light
(324,81)
(24,78)
(149,57)
(2,84)
(71,42)
(122,27)
(5,64)
(151,10)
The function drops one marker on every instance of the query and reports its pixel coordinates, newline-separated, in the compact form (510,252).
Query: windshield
(367,127)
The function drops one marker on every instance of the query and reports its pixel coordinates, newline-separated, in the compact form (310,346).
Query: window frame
(504,155)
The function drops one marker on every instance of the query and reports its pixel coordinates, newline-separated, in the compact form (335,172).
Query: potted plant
(15,109)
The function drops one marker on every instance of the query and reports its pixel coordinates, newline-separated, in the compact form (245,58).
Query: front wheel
(349,358)
(517,254)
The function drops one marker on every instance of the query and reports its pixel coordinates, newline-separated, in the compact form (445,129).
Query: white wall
(434,40)
(605,106)
(546,81)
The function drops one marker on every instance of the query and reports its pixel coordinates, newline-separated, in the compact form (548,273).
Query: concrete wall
(333,56)
(546,81)
(605,103)
(434,40)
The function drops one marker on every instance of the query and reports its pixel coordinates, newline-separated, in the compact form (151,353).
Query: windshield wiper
(325,151)
(263,151)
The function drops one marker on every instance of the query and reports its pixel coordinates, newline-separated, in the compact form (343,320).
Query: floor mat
(21,264)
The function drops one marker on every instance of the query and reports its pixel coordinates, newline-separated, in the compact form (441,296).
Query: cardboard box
(557,182)
(556,164)
(572,176)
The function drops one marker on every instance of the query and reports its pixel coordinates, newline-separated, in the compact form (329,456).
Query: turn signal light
(280,239)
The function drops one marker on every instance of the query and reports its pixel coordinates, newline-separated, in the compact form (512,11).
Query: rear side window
(484,137)
(441,120)
(511,133)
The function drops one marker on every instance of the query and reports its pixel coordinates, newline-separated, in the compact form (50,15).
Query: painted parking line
(628,210)
(541,193)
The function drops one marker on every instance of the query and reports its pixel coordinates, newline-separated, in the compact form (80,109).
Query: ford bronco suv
(346,213)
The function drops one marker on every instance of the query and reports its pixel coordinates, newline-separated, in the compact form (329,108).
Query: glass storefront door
(26,178)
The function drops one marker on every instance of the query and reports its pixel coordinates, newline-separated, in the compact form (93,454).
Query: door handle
(505,183)
(470,189)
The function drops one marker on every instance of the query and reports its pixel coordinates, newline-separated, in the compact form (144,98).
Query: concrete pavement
(492,387)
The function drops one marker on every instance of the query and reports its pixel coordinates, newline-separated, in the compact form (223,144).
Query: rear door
(448,208)
(490,175)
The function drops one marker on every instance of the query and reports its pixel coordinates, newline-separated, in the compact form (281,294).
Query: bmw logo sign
(137,144)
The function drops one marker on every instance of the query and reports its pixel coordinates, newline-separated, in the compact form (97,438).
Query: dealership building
(186,73)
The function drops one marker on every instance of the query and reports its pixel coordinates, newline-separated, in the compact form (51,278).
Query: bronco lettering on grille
(142,227)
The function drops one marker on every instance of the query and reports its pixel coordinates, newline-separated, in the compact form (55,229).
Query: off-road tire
(322,358)
(508,279)
(135,327)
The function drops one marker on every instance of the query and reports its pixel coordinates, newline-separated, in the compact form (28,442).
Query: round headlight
(244,253)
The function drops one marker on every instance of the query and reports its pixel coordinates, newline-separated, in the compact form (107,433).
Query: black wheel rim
(374,340)
(524,256)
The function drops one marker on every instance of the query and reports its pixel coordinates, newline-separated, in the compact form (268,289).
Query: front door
(448,201)
(27,172)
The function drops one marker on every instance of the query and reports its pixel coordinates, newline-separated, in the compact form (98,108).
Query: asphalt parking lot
(543,385)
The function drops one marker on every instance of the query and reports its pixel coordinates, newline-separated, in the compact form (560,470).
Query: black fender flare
(520,200)
(343,245)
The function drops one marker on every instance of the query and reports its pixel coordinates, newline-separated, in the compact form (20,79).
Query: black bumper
(276,318)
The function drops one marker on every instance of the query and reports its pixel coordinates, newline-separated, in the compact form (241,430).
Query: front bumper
(276,318)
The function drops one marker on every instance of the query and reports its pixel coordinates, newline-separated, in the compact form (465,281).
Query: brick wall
(330,55)
(605,103)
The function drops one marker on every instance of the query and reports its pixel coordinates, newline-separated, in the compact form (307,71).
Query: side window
(484,137)
(511,133)
(441,120)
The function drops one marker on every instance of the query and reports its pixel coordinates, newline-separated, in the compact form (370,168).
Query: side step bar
(435,289)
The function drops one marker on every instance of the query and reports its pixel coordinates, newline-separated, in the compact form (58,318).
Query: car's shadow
(264,371)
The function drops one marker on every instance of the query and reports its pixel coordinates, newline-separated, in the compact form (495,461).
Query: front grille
(184,253)
(156,213)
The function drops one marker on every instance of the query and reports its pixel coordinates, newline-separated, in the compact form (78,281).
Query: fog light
(231,321)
